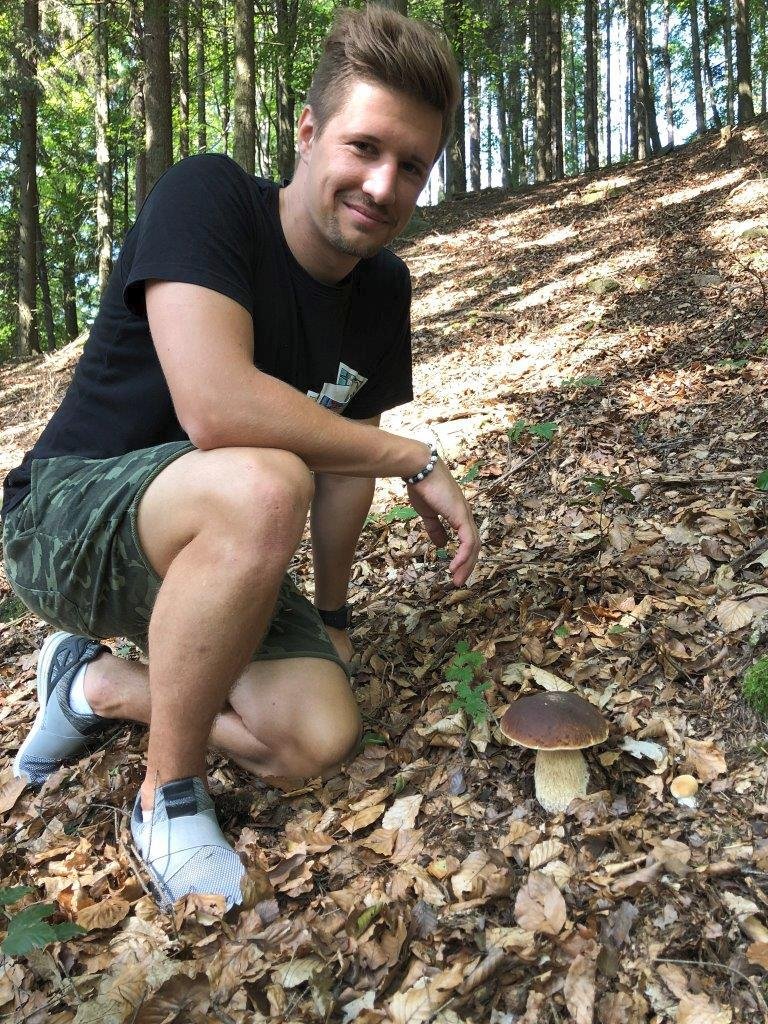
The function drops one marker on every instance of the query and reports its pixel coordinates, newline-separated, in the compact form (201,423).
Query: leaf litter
(623,558)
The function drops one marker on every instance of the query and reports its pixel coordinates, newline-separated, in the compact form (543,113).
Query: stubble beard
(361,249)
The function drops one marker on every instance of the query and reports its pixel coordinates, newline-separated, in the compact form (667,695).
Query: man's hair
(380,46)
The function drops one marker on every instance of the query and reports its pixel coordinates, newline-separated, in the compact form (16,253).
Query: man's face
(365,170)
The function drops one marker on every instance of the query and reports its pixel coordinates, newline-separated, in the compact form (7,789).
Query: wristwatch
(341,618)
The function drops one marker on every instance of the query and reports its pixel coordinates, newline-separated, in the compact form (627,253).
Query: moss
(754,686)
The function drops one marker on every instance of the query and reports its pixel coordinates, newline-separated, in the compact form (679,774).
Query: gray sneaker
(58,733)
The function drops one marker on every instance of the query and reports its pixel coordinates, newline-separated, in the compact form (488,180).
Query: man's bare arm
(204,341)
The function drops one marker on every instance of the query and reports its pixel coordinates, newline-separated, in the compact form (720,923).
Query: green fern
(462,669)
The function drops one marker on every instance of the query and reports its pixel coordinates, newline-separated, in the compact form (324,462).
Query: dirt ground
(592,356)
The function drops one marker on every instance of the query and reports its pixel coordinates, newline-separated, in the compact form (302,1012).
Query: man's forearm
(338,513)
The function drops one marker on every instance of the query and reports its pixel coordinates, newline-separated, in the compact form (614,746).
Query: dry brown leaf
(757,953)
(540,906)
(403,812)
(733,614)
(699,1009)
(362,819)
(544,852)
(579,987)
(10,793)
(705,759)
(103,915)
(179,998)
(419,1002)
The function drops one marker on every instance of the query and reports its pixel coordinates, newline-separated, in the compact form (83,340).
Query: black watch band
(341,618)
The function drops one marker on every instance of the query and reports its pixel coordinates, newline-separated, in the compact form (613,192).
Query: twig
(749,555)
(754,273)
(724,967)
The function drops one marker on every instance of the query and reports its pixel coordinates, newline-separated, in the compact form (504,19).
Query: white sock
(77,699)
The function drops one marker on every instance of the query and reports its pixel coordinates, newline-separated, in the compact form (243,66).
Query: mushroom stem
(560,776)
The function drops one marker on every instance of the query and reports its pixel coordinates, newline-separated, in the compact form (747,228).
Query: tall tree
(157,90)
(473,112)
(286,16)
(541,36)
(608,126)
(224,105)
(45,291)
(104,219)
(667,64)
(698,93)
(556,79)
(730,83)
(709,78)
(590,85)
(244,143)
(202,123)
(183,8)
(642,84)
(27,339)
(744,62)
(455,164)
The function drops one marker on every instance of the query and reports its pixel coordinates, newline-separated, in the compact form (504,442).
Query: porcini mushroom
(558,726)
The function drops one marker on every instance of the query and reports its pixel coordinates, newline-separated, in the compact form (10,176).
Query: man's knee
(321,743)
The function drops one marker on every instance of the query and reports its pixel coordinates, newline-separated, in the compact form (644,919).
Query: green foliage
(471,474)
(462,670)
(400,514)
(562,631)
(573,383)
(762,481)
(754,686)
(602,485)
(371,739)
(28,929)
(546,431)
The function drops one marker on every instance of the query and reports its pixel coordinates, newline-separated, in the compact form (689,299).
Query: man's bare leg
(297,717)
(219,527)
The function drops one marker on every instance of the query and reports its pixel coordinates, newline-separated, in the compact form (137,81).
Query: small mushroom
(684,789)
(558,726)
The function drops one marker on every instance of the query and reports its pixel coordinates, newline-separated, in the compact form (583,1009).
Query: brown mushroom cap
(554,721)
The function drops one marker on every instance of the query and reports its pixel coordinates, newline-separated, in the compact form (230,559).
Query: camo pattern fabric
(72,555)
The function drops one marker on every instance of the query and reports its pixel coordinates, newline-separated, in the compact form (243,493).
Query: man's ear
(306,132)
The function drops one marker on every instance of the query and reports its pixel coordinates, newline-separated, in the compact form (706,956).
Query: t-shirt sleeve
(196,226)
(391,382)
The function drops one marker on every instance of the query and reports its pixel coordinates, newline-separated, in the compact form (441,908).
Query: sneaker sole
(43,667)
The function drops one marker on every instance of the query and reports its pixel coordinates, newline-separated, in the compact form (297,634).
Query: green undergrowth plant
(463,668)
(754,686)
(521,429)
(28,928)
(762,481)
(577,383)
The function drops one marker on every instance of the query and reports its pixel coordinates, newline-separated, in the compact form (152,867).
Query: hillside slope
(625,555)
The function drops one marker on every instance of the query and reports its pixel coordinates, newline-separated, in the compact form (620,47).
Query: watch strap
(339,618)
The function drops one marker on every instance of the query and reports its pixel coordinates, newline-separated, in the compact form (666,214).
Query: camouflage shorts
(72,555)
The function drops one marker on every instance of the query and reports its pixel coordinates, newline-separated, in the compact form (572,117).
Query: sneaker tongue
(180,798)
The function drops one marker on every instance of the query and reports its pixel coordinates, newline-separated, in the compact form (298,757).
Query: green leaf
(762,481)
(29,930)
(368,916)
(545,430)
(400,783)
(443,554)
(616,629)
(471,701)
(371,738)
(625,492)
(402,513)
(471,473)
(562,631)
(582,382)
(596,484)
(14,894)
(516,432)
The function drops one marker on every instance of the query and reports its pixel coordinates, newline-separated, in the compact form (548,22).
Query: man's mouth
(366,214)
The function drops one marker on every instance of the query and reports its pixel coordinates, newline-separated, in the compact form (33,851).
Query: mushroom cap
(554,721)
(683,786)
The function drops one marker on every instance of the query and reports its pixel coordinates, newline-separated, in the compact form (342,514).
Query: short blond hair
(379,45)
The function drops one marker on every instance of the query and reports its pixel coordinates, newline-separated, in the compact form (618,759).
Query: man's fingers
(465,558)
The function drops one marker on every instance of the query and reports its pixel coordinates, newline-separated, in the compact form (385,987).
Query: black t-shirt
(208,222)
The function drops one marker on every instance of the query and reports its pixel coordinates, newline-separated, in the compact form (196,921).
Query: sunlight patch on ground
(734,229)
(749,194)
(541,296)
(577,257)
(684,195)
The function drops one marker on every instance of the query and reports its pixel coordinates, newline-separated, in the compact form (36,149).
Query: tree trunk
(608,125)
(473,105)
(104,220)
(556,77)
(27,340)
(244,143)
(137,108)
(653,122)
(503,118)
(401,6)
(730,90)
(763,61)
(286,15)
(183,78)
(590,86)
(642,85)
(744,63)
(45,292)
(455,167)
(69,291)
(572,92)
(709,80)
(543,91)
(224,108)
(514,80)
(630,123)
(667,62)
(698,94)
(202,128)
(157,90)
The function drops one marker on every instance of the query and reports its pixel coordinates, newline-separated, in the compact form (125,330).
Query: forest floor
(625,557)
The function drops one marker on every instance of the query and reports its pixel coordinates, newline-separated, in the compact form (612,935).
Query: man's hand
(438,497)
(342,643)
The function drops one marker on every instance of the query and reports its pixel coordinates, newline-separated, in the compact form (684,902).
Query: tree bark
(515,117)
(224,110)
(45,292)
(667,62)
(503,128)
(698,94)
(244,142)
(556,78)
(574,120)
(202,126)
(653,122)
(104,211)
(183,78)
(730,91)
(642,85)
(608,125)
(709,80)
(455,167)
(746,109)
(286,15)
(69,290)
(473,105)
(590,86)
(27,339)
(157,90)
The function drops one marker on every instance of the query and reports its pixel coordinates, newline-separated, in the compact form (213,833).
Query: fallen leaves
(539,905)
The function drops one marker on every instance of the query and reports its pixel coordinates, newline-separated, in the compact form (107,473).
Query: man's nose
(381,183)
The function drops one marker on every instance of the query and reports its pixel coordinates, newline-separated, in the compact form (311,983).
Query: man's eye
(363,147)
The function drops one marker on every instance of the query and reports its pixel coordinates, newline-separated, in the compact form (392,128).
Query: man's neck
(309,248)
